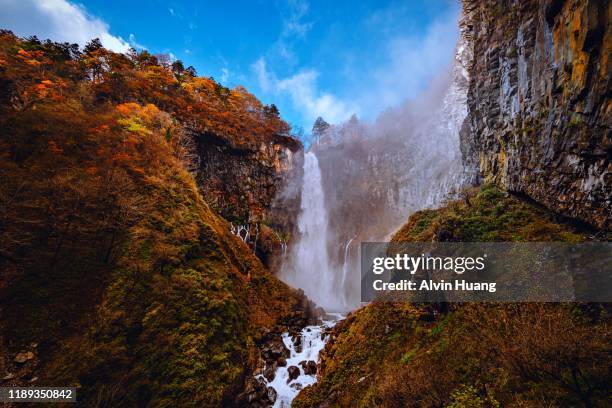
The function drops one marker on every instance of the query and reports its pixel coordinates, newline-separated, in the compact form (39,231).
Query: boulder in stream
(273,350)
(309,367)
(294,372)
(297,342)
(269,372)
(272,395)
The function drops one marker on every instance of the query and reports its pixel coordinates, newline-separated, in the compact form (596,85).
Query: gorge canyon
(167,241)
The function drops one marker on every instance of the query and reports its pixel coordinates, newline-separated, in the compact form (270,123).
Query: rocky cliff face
(539,108)
(255,186)
(241,182)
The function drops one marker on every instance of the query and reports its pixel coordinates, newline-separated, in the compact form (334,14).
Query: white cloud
(134,44)
(303,91)
(225,74)
(58,20)
(305,95)
(293,24)
(294,28)
(401,70)
(262,74)
(300,88)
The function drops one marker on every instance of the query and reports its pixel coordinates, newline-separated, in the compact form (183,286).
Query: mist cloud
(403,67)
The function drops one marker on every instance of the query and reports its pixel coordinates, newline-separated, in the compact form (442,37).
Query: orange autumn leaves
(87,135)
(45,72)
(37,84)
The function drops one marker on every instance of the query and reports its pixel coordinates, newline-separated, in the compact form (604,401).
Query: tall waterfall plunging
(310,267)
(376,175)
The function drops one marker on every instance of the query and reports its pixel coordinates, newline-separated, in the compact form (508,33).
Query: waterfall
(309,267)
(408,159)
(376,175)
(347,262)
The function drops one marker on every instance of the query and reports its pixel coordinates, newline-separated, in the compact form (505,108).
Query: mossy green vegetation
(180,334)
(473,355)
(488,214)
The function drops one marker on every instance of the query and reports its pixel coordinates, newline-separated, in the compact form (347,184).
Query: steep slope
(476,355)
(117,277)
(539,102)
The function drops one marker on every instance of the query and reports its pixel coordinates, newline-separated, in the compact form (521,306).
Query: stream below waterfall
(311,341)
(308,267)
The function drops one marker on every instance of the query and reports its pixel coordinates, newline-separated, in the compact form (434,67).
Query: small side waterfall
(309,266)
(347,262)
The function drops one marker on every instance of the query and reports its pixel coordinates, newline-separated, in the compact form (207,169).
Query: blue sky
(310,58)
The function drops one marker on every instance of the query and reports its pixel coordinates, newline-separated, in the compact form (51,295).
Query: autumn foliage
(134,290)
(35,73)
(73,124)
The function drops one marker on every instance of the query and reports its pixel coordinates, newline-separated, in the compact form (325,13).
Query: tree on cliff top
(319,129)
(35,72)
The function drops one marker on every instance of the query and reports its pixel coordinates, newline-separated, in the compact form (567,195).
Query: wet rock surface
(309,367)
(294,372)
(257,394)
(273,350)
(297,342)
(269,372)
(271,395)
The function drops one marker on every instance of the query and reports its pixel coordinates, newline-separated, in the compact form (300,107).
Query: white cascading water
(312,342)
(309,267)
(346,264)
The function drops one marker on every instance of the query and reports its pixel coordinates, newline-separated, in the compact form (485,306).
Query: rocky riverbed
(292,364)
